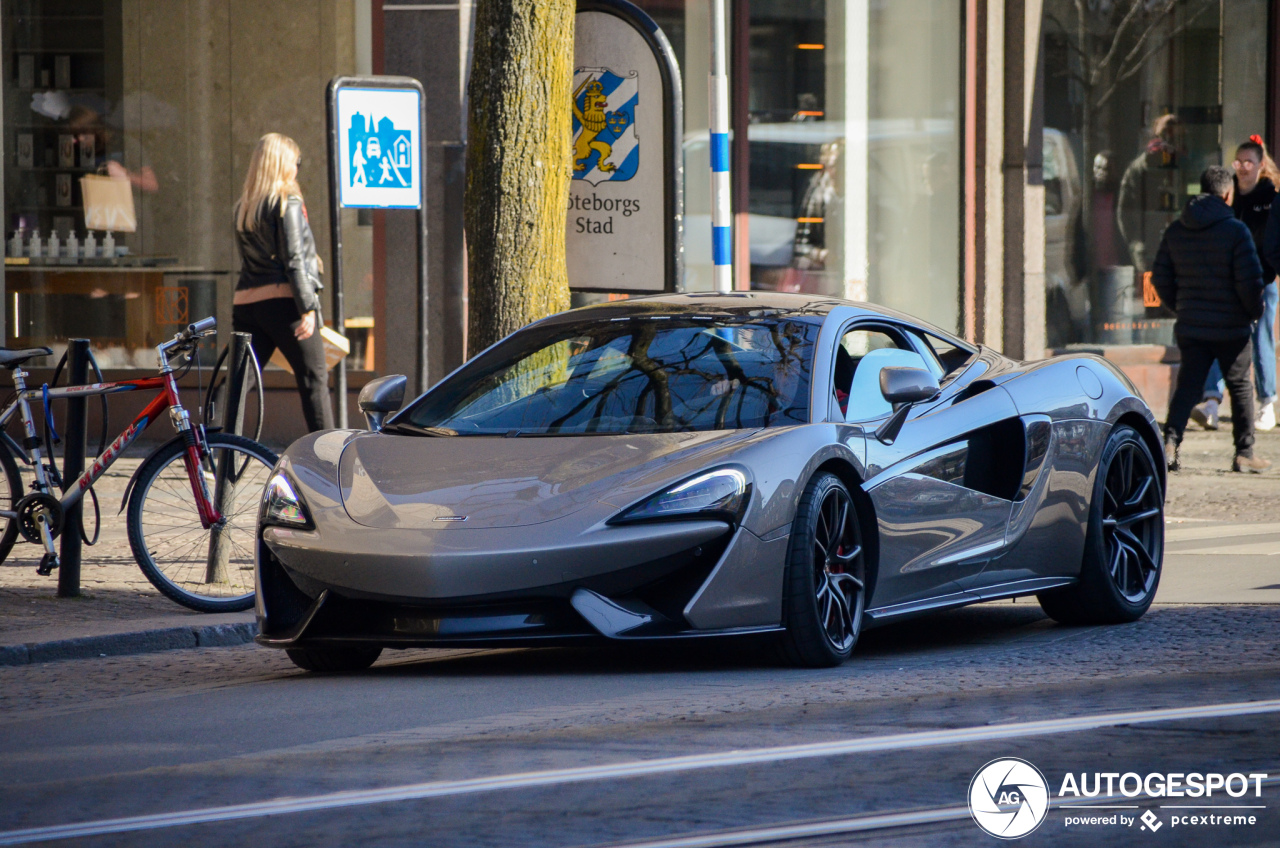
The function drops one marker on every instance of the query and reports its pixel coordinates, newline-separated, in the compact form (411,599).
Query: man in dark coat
(1207,271)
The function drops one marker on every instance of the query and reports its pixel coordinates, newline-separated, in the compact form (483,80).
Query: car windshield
(650,374)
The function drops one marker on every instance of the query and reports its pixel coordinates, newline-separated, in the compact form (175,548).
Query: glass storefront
(1136,107)
(854,144)
(167,99)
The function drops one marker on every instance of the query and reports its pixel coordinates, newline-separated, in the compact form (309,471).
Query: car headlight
(722,493)
(282,505)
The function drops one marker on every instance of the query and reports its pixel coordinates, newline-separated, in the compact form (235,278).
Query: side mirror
(907,385)
(381,397)
(903,387)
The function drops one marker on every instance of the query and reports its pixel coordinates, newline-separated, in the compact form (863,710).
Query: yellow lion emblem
(592,118)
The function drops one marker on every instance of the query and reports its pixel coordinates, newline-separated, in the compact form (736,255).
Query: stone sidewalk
(119,611)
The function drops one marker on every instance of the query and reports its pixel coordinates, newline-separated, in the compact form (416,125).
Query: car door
(943,489)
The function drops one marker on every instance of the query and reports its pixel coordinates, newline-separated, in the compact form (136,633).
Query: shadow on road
(988,624)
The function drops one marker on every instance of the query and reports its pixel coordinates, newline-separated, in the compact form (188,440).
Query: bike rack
(73,467)
(224,492)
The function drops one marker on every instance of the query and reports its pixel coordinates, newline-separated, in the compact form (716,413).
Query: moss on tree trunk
(517,165)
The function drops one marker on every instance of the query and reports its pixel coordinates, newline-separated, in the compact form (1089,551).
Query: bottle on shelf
(109,246)
(53,249)
(72,248)
(34,248)
(90,248)
(15,243)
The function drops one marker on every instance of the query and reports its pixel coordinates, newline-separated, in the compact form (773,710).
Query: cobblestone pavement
(113,587)
(191,729)
(1207,488)
(992,645)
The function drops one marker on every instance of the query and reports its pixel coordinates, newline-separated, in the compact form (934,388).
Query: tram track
(917,740)
(784,832)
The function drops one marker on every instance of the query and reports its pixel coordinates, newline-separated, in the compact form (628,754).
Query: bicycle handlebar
(203,327)
(185,339)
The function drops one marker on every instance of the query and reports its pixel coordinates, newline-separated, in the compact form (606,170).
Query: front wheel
(334,660)
(1124,542)
(826,577)
(207,570)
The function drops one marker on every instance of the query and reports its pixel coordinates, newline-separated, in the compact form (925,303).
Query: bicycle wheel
(186,562)
(10,494)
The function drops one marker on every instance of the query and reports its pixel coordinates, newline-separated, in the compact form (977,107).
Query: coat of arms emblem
(605,146)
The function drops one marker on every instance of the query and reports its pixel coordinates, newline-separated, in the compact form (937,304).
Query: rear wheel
(185,561)
(1124,543)
(10,494)
(353,658)
(825,588)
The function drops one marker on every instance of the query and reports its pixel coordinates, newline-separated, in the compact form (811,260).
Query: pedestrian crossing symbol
(605,145)
(379,148)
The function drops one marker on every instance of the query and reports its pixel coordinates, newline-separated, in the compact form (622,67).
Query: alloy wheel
(1132,522)
(839,570)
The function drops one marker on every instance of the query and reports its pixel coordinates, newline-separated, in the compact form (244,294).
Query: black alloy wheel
(826,577)
(1124,542)
(1132,522)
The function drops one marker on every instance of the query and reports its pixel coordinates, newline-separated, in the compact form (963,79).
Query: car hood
(468,482)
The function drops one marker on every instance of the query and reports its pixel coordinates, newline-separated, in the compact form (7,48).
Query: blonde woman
(277,298)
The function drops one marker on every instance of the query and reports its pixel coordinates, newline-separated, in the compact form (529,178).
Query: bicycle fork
(196,454)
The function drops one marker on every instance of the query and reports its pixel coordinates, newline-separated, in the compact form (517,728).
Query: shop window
(1136,107)
(168,99)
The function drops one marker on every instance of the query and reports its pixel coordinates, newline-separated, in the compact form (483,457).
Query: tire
(10,493)
(169,543)
(329,660)
(1124,542)
(825,584)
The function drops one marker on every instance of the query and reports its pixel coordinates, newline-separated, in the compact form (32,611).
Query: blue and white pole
(721,210)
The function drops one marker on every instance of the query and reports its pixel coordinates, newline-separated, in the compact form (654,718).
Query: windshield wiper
(411,429)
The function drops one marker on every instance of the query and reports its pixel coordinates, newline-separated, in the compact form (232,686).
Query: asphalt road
(95,740)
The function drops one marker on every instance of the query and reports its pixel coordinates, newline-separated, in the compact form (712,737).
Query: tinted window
(951,357)
(643,375)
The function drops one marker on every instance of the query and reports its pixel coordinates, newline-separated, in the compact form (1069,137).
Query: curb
(123,644)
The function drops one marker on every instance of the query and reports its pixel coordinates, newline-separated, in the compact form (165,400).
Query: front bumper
(402,589)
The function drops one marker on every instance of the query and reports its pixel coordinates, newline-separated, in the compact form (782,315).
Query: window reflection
(1139,99)
(643,375)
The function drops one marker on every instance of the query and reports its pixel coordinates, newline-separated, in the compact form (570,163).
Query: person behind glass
(1256,180)
(277,299)
(1207,271)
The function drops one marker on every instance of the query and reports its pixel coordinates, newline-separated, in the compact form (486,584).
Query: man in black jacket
(1207,271)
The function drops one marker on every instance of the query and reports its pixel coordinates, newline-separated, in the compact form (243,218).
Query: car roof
(804,307)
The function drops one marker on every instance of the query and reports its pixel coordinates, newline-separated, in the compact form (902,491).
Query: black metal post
(72,468)
(237,371)
(226,474)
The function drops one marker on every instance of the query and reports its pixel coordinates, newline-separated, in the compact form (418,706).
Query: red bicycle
(192,505)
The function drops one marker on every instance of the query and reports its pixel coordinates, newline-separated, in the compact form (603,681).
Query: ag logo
(1008,798)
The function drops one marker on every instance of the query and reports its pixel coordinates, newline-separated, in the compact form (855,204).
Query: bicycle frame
(167,399)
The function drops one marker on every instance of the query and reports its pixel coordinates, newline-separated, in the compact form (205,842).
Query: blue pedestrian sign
(379,148)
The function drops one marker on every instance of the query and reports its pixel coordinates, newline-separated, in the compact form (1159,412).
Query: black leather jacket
(281,249)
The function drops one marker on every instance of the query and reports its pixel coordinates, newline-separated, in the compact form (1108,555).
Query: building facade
(1001,168)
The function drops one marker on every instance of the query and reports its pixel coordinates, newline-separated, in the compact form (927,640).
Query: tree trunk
(517,165)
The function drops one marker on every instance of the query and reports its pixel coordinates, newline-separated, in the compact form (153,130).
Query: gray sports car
(697,465)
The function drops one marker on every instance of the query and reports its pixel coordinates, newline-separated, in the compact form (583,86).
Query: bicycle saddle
(14,358)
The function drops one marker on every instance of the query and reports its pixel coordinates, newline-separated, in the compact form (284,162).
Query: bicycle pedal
(48,563)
